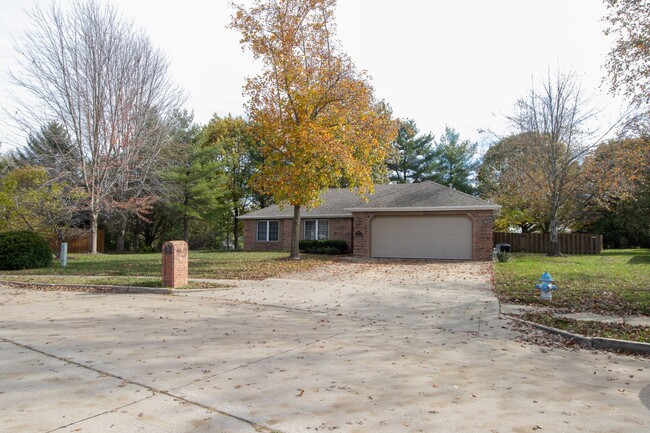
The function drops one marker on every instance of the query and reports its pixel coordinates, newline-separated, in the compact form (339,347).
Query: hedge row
(324,246)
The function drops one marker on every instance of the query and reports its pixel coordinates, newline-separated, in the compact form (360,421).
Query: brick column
(287,226)
(174,264)
(361,234)
(482,235)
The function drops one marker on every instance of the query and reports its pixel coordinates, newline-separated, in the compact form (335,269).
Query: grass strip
(616,282)
(227,265)
(106,281)
(589,328)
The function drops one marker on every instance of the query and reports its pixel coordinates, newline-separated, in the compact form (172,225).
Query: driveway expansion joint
(97,415)
(153,390)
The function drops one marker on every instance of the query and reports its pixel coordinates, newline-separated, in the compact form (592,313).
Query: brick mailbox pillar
(174,264)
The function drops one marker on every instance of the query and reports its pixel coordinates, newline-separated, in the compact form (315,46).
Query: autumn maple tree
(314,112)
(618,170)
(505,177)
(618,174)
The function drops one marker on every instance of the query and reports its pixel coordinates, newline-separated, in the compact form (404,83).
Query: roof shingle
(394,197)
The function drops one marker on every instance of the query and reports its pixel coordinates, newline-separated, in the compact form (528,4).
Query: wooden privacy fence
(570,243)
(80,244)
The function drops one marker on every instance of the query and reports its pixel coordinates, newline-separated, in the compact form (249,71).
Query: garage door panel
(435,237)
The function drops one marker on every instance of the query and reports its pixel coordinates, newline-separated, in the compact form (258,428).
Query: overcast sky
(461,63)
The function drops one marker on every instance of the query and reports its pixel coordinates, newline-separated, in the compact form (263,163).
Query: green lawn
(203,264)
(614,282)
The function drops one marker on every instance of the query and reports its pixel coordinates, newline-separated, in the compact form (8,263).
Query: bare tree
(628,62)
(101,79)
(554,122)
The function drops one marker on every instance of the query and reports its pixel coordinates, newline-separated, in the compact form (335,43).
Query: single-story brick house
(418,220)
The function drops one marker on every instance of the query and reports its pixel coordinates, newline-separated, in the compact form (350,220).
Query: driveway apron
(351,347)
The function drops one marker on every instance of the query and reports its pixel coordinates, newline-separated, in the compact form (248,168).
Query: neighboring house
(418,220)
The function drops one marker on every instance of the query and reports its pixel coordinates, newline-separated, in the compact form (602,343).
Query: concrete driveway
(352,347)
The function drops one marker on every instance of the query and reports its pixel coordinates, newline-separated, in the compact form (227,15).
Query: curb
(126,289)
(590,342)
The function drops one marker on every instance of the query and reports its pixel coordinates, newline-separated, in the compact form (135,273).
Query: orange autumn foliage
(618,170)
(315,114)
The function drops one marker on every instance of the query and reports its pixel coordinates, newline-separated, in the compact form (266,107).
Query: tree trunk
(295,234)
(136,236)
(235,229)
(93,227)
(554,250)
(149,236)
(121,234)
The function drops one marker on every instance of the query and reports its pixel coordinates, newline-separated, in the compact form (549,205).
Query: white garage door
(422,237)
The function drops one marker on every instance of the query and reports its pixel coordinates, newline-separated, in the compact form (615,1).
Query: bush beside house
(331,246)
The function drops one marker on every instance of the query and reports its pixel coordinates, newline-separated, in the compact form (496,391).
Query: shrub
(24,250)
(328,250)
(504,256)
(324,246)
(307,245)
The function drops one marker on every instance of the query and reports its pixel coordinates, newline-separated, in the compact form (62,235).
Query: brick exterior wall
(356,232)
(175,257)
(340,229)
(481,230)
(482,223)
(361,233)
(250,237)
(287,225)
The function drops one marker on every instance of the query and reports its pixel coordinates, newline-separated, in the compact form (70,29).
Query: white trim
(302,217)
(422,209)
(316,228)
(268,230)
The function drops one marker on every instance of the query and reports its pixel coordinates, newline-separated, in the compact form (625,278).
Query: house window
(268,231)
(317,229)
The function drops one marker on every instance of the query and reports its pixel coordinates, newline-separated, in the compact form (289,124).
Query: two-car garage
(423,237)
